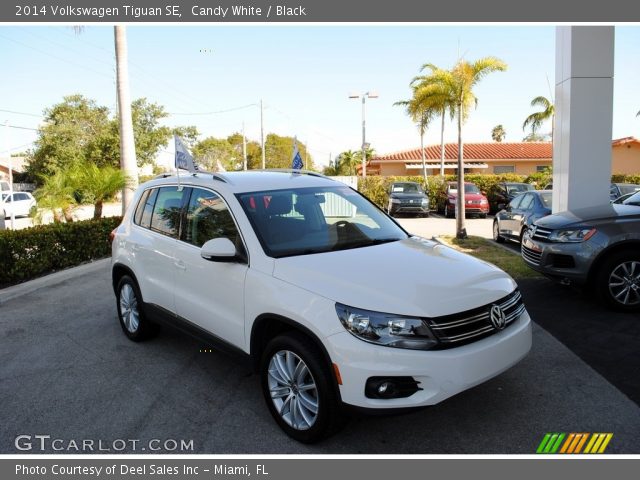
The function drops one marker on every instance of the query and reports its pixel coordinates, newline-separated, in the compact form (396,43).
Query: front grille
(531,255)
(541,234)
(465,327)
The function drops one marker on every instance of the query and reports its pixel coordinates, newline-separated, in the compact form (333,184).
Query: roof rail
(164,175)
(294,171)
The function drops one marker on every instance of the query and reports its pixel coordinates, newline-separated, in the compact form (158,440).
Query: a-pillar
(584,113)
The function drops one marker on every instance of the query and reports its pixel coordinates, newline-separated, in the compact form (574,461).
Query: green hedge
(29,253)
(376,188)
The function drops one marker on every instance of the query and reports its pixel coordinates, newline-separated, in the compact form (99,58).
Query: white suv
(331,301)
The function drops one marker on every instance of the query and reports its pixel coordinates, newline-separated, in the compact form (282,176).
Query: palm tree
(436,96)
(536,119)
(422,113)
(460,81)
(498,133)
(128,162)
(57,194)
(346,163)
(98,184)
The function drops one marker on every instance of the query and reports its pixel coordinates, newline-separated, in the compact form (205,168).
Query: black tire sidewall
(328,403)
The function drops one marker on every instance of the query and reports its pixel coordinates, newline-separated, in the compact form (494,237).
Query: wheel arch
(118,271)
(627,245)
(269,325)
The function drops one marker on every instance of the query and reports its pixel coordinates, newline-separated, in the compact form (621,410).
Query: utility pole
(10,163)
(264,160)
(244,149)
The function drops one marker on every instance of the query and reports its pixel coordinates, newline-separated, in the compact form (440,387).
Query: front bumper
(565,262)
(441,373)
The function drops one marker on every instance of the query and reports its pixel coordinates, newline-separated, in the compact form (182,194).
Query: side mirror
(219,250)
(483,193)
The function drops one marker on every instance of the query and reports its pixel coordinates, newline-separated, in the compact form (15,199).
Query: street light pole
(364,126)
(10,164)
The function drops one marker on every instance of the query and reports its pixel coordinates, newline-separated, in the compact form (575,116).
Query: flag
(296,162)
(183,160)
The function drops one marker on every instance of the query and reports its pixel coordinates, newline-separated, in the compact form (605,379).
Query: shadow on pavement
(606,340)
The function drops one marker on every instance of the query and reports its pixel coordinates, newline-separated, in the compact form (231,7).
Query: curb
(25,288)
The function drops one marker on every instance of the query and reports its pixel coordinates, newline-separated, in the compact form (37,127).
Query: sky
(214,77)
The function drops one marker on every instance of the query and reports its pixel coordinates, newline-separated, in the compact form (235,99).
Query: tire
(483,215)
(496,232)
(293,353)
(618,281)
(446,212)
(133,321)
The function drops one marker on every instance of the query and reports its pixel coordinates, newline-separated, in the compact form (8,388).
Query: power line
(21,113)
(217,111)
(22,128)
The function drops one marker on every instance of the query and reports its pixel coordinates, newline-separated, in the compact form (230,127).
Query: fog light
(391,387)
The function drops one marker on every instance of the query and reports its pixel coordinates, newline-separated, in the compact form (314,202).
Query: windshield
(406,188)
(545,198)
(624,189)
(633,200)
(516,188)
(468,188)
(303,221)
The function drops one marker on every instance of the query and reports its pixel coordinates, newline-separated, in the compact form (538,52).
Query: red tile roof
(485,151)
(476,151)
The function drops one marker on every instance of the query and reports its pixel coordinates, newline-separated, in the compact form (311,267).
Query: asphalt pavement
(67,370)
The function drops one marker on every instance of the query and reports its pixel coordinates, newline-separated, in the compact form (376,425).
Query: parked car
(476,202)
(18,203)
(407,197)
(629,199)
(622,198)
(519,215)
(619,189)
(264,264)
(505,192)
(590,247)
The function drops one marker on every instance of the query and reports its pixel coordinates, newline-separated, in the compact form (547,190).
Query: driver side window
(207,217)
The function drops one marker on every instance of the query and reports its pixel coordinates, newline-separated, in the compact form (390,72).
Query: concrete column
(584,114)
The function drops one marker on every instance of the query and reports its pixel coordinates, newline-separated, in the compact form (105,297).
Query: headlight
(483,201)
(574,235)
(386,329)
(395,200)
(425,201)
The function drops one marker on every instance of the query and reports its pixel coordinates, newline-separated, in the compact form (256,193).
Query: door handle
(180,264)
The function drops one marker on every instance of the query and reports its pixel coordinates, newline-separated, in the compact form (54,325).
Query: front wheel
(619,281)
(299,389)
(496,232)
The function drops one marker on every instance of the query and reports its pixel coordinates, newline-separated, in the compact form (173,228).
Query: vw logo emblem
(498,319)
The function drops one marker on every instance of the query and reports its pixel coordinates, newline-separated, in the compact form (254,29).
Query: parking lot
(66,370)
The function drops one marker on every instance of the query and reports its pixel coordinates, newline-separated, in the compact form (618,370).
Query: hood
(410,277)
(469,196)
(407,195)
(591,215)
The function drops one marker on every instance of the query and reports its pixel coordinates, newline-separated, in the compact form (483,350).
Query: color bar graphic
(553,443)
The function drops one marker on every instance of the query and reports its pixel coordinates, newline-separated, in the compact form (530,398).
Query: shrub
(29,253)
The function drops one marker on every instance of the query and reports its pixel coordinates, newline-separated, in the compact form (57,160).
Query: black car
(505,192)
(519,215)
(407,197)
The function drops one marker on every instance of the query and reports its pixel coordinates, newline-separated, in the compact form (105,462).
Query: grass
(485,250)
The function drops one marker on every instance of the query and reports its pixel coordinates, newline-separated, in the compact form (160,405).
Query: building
(17,163)
(522,158)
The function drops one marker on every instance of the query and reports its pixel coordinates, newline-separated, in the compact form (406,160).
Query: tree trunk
(424,162)
(461,231)
(57,216)
(67,212)
(442,145)
(97,210)
(127,145)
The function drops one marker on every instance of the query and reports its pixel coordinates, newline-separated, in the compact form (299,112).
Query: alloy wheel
(293,390)
(129,308)
(624,283)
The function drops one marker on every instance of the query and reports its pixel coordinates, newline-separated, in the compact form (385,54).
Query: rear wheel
(133,321)
(618,281)
(496,232)
(299,389)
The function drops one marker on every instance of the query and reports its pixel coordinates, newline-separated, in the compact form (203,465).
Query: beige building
(521,158)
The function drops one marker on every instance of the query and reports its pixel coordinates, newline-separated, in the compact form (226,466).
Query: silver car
(591,247)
